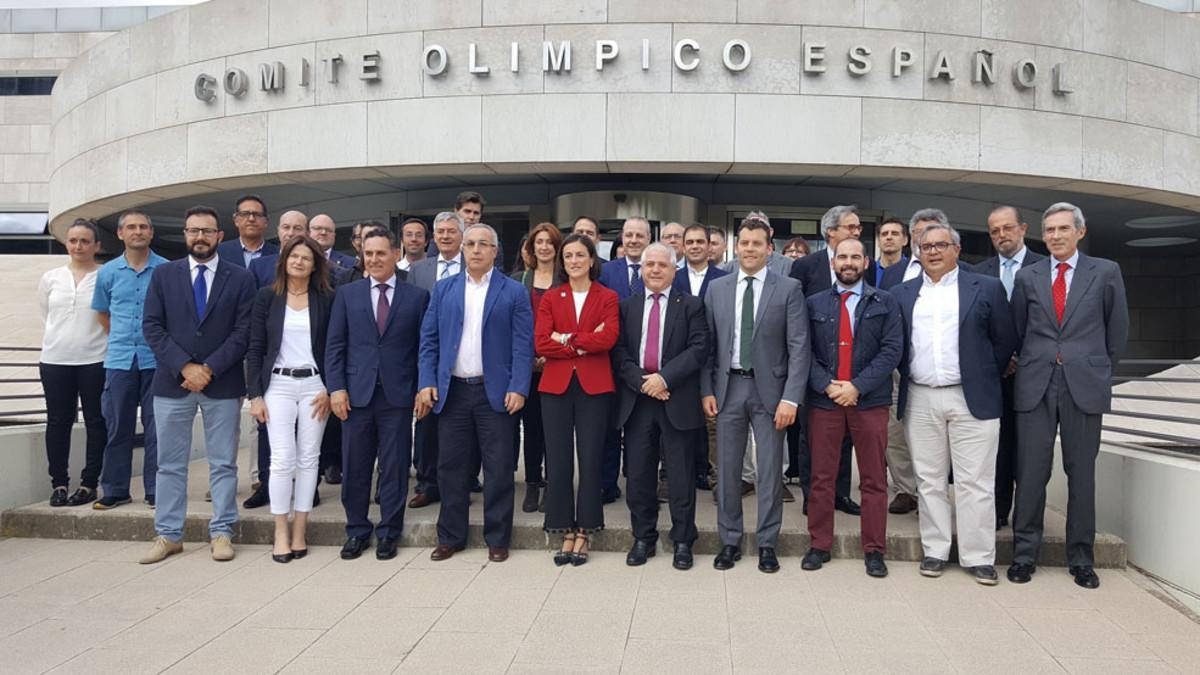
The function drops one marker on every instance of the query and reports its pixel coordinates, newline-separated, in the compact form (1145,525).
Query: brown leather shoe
(903,503)
(497,554)
(420,499)
(444,552)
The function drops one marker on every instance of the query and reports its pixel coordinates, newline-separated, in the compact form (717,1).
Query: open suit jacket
(231,250)
(683,282)
(266,334)
(876,350)
(813,272)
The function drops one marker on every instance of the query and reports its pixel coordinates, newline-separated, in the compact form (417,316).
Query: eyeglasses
(200,231)
(939,246)
(852,228)
(255,215)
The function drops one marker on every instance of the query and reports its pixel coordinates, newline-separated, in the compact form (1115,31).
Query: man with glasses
(250,219)
(197,321)
(324,231)
(671,234)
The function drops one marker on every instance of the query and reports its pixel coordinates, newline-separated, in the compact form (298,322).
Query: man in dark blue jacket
(197,321)
(857,341)
(250,218)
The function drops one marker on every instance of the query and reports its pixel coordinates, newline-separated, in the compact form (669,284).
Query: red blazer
(556,314)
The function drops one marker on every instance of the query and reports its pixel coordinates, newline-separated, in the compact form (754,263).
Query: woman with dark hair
(796,248)
(71,365)
(540,271)
(286,385)
(576,327)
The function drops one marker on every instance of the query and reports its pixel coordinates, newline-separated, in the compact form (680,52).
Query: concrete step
(136,522)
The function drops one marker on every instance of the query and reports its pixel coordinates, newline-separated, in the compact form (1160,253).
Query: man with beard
(197,321)
(857,341)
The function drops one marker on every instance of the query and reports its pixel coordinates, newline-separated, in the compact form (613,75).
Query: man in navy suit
(371,370)
(250,219)
(324,231)
(475,366)
(960,337)
(197,321)
(1007,231)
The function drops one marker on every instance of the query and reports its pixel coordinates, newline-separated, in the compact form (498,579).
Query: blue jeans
(175,417)
(124,391)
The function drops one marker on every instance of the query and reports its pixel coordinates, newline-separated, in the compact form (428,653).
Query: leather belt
(296,372)
(741,373)
(467,380)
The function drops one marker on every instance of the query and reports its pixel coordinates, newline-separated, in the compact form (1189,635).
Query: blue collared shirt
(879,269)
(121,292)
(856,292)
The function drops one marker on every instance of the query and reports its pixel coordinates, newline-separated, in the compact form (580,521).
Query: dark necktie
(845,340)
(1059,290)
(746,338)
(381,308)
(200,291)
(635,283)
(650,362)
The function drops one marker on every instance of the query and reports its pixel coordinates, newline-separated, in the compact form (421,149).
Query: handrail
(1154,416)
(1161,399)
(1182,440)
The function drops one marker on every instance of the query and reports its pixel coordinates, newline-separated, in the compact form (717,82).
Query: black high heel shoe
(283,557)
(580,557)
(563,557)
(299,553)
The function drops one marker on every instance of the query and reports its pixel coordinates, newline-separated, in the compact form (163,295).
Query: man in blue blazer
(250,219)
(324,231)
(475,366)
(960,337)
(197,321)
(371,372)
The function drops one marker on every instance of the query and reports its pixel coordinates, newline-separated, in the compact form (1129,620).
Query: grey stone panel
(624,73)
(34,20)
(1056,23)
(5,20)
(117,18)
(80,19)
(774,67)
(1181,44)
(129,110)
(684,11)
(157,158)
(1162,99)
(16,46)
(962,53)
(56,45)
(425,131)
(1127,30)
(25,110)
(670,128)
(1181,163)
(106,171)
(175,100)
(227,27)
(837,80)
(545,128)
(798,129)
(1030,142)
(920,134)
(493,51)
(802,12)
(294,21)
(230,146)
(1096,81)
(108,64)
(521,12)
(1125,154)
(958,17)
(399,68)
(385,16)
(317,137)
(155,45)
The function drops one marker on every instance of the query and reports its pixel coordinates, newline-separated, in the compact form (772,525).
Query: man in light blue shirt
(120,298)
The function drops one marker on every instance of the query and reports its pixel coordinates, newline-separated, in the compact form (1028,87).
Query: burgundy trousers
(868,431)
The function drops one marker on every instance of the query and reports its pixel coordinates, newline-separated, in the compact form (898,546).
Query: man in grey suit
(1073,324)
(755,378)
(776,262)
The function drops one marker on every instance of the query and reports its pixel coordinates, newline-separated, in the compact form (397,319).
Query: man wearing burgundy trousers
(857,341)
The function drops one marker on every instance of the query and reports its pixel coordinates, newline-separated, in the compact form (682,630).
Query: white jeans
(942,434)
(295,441)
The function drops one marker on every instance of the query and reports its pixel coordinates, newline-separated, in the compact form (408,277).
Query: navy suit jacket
(231,250)
(614,275)
(357,356)
(683,282)
(342,260)
(894,276)
(262,269)
(813,272)
(987,338)
(507,345)
(218,340)
(876,351)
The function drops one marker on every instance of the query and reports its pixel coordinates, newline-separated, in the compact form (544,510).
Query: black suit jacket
(266,334)
(991,266)
(684,352)
(812,271)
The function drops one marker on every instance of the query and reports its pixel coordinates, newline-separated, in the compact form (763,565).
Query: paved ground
(87,606)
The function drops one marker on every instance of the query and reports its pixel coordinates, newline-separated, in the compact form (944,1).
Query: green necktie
(746,339)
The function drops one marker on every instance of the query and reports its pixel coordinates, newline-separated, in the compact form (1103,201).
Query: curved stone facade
(1095,96)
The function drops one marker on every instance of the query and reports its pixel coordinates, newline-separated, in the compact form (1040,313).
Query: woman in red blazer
(576,327)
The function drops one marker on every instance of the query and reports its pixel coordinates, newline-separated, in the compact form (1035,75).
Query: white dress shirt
(210,271)
(662,324)
(696,279)
(914,269)
(73,335)
(1073,261)
(759,278)
(934,361)
(832,274)
(404,264)
(391,293)
(469,362)
(448,267)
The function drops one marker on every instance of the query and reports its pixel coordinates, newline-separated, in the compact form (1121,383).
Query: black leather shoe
(1020,573)
(847,505)
(702,482)
(282,557)
(82,496)
(610,495)
(767,562)
(533,497)
(333,474)
(59,497)
(815,559)
(385,549)
(727,557)
(354,547)
(1085,576)
(640,552)
(875,565)
(260,498)
(683,556)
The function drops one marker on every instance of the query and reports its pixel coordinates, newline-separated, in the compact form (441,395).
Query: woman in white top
(72,364)
(286,385)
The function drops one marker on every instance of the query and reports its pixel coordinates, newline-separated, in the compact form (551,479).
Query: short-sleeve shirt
(121,292)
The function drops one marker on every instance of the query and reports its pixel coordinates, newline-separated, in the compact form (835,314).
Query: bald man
(291,224)
(324,230)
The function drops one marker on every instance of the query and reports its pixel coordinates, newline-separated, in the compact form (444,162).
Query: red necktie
(650,362)
(1059,291)
(382,307)
(845,340)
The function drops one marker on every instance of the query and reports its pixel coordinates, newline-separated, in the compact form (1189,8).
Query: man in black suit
(250,219)
(1007,230)
(662,347)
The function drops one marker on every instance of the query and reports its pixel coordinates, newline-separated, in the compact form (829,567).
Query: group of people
(668,364)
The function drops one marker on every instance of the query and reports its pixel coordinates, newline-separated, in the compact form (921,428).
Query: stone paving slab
(327,521)
(73,605)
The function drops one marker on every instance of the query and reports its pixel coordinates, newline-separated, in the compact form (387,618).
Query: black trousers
(380,431)
(331,445)
(804,460)
(64,388)
(1080,433)
(1006,453)
(575,424)
(467,422)
(535,436)
(425,455)
(649,435)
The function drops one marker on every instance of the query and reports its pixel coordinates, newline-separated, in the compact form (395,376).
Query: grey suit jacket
(778,263)
(1092,337)
(423,273)
(780,346)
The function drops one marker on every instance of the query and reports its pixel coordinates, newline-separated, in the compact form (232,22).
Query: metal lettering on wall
(735,56)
